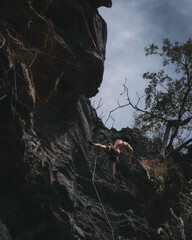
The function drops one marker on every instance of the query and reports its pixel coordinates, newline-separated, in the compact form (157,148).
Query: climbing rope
(99,198)
(2,97)
(93,177)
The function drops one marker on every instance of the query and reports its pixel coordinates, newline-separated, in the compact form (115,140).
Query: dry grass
(155,167)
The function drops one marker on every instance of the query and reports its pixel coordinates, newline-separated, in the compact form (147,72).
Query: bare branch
(124,87)
(113,121)
(184,145)
(101,116)
(109,116)
(99,104)
(163,86)
(139,98)
(134,106)
(139,109)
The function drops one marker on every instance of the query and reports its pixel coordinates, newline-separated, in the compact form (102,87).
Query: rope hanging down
(99,198)
(93,176)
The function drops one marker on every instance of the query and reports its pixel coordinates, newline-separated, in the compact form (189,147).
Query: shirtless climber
(114,152)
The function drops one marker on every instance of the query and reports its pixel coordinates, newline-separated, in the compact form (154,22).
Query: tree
(168,102)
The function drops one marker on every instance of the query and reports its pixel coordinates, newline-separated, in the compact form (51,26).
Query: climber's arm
(100,146)
(130,152)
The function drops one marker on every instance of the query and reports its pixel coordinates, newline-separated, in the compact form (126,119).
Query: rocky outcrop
(50,52)
(52,55)
(52,196)
(52,45)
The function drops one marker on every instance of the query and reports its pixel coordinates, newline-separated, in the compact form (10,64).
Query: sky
(132,26)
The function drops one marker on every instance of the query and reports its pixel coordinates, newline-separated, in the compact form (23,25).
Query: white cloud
(132,25)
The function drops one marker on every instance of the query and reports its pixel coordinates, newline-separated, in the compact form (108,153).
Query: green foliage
(169,98)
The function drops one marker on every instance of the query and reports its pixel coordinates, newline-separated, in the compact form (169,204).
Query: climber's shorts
(113,158)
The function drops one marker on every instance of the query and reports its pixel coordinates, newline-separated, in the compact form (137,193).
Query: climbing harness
(112,151)
(99,198)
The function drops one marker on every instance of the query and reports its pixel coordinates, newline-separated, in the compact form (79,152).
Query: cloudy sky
(133,25)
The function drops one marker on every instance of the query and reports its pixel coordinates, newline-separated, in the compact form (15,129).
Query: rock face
(51,196)
(52,54)
(51,51)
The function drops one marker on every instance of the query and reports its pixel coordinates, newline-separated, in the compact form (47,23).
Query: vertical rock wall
(51,54)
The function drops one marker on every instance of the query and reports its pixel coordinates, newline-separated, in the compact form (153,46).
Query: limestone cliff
(52,56)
